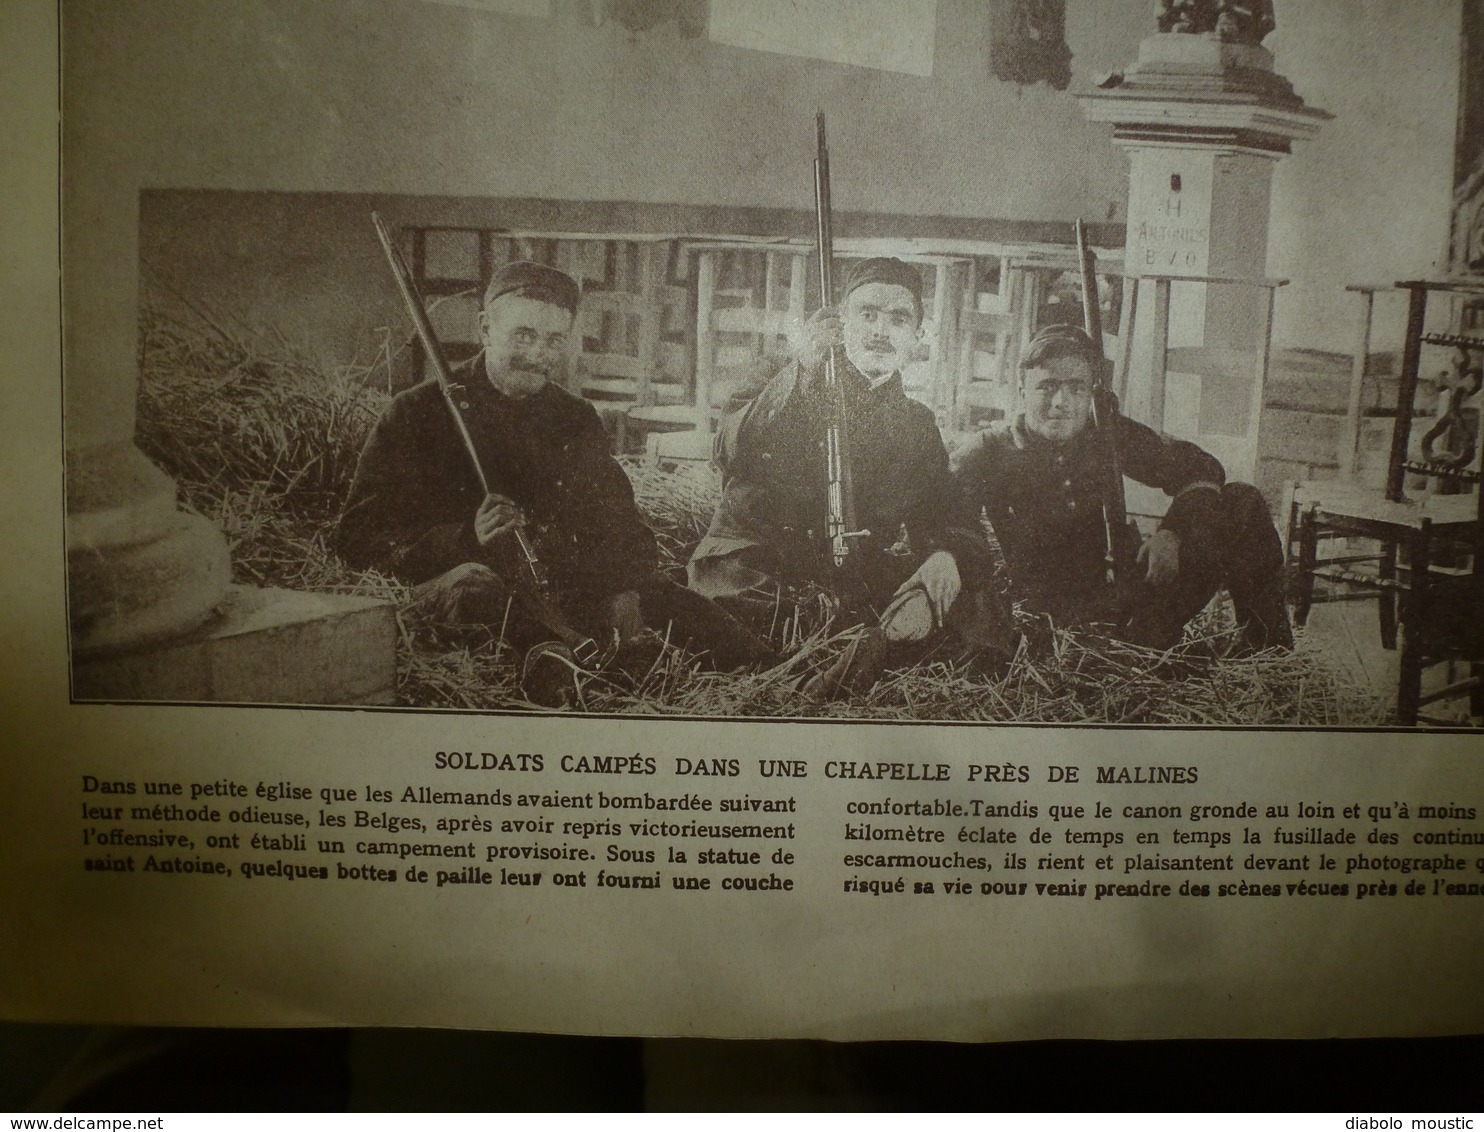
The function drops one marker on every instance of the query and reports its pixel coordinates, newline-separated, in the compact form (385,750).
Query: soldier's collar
(1026,440)
(1020,435)
(880,383)
(491,393)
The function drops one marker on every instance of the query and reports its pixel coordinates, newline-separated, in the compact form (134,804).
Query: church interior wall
(448,104)
(1367,200)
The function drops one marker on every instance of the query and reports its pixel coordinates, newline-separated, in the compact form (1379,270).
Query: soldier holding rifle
(834,478)
(497,495)
(1043,479)
(909,574)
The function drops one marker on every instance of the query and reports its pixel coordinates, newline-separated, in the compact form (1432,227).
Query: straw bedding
(264,441)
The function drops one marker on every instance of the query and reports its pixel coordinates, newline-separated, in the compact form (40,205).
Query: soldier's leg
(978,622)
(1158,614)
(1253,569)
(726,575)
(981,617)
(472,597)
(749,585)
(976,626)
(475,603)
(699,624)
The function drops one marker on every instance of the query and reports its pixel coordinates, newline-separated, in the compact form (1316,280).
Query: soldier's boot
(986,628)
(1255,572)
(469,596)
(637,656)
(1262,619)
(549,676)
(853,672)
(703,625)
(1154,624)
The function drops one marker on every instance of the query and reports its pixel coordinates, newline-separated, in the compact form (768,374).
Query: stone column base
(154,615)
(139,570)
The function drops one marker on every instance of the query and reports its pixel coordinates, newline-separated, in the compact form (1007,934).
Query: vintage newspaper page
(522,610)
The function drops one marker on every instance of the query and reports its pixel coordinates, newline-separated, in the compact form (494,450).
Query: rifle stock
(1104,422)
(534,595)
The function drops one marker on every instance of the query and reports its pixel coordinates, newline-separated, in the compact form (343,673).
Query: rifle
(1104,421)
(536,593)
(840,479)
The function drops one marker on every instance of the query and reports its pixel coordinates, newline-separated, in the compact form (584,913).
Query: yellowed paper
(352,861)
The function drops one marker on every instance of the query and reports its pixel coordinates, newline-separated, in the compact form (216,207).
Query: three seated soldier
(918,573)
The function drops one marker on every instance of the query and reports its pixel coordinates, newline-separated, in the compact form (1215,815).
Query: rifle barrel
(1104,415)
(825,242)
(840,483)
(1092,314)
(429,339)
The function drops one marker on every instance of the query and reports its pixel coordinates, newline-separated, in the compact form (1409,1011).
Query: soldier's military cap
(885,269)
(1060,340)
(534,281)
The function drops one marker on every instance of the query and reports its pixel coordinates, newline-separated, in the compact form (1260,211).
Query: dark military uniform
(412,504)
(769,527)
(1044,501)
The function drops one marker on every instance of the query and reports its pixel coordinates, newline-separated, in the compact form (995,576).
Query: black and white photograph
(1080,362)
(831,521)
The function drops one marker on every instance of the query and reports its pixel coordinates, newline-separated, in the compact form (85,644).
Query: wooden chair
(1351,572)
(1414,534)
(998,334)
(1447,627)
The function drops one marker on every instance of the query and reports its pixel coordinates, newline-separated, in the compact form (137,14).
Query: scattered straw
(264,442)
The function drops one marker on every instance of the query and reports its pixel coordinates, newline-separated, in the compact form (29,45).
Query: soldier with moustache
(918,576)
(417,511)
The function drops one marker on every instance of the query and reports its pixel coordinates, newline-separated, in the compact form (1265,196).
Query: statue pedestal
(1198,91)
(1203,122)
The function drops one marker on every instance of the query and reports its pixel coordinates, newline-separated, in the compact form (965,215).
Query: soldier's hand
(496,516)
(624,615)
(937,577)
(1160,554)
(815,339)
